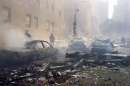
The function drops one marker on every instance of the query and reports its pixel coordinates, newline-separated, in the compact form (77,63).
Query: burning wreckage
(33,66)
(25,67)
(37,64)
(102,52)
(35,50)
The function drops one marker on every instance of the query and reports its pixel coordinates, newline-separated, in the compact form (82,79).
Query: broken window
(5,14)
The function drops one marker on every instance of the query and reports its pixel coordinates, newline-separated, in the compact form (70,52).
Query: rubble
(13,58)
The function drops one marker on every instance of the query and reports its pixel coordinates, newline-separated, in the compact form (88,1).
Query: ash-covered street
(64,43)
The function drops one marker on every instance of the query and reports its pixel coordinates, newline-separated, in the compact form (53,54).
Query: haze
(40,18)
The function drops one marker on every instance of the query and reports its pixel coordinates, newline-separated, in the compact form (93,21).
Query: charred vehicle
(76,48)
(35,50)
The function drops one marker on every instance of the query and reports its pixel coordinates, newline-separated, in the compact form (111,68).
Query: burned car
(35,50)
(102,46)
(76,48)
(38,44)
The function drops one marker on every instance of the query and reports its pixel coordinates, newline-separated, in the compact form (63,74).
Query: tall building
(102,9)
(22,21)
(119,25)
(122,11)
(122,16)
(25,20)
(87,24)
(16,18)
(52,15)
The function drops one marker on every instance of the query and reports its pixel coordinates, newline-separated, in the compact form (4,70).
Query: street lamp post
(75,23)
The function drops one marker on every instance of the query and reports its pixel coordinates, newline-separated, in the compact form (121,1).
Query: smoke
(12,37)
(88,22)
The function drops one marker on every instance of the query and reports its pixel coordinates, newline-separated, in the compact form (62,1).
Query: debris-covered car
(76,48)
(102,46)
(35,50)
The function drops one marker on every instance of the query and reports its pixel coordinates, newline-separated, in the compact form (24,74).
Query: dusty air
(64,42)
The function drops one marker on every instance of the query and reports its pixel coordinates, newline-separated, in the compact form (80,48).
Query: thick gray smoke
(92,20)
(119,25)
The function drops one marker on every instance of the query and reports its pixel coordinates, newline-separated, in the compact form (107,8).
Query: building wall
(25,20)
(122,18)
(122,11)
(102,8)
(87,24)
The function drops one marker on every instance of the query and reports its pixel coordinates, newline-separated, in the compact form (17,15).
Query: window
(47,4)
(53,6)
(36,21)
(60,13)
(28,21)
(6,14)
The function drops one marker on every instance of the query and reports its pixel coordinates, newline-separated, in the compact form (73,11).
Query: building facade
(22,21)
(25,20)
